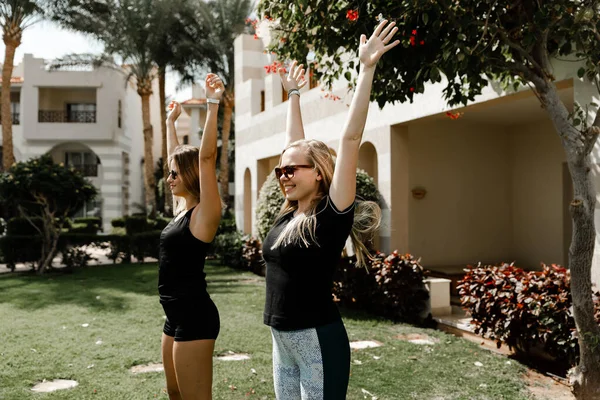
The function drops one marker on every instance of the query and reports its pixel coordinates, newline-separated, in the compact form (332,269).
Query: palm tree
(226,20)
(150,36)
(15,16)
(181,46)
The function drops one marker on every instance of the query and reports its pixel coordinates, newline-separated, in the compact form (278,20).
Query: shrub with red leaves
(391,286)
(524,309)
(252,255)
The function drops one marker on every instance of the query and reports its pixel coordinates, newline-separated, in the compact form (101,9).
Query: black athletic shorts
(191,319)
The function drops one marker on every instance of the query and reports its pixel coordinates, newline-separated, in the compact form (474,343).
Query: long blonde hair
(186,158)
(302,229)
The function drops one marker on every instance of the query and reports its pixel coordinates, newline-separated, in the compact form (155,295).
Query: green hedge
(27,248)
(21,226)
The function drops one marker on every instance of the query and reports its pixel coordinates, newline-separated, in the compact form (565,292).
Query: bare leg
(194,369)
(167,359)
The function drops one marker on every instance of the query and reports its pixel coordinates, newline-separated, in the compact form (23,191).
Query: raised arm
(343,186)
(293,81)
(207,215)
(172,141)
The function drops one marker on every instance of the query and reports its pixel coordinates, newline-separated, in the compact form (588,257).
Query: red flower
(412,41)
(414,32)
(412,89)
(352,15)
(454,115)
(255,36)
(422,42)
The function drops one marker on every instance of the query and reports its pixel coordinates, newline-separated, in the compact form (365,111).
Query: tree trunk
(163,126)
(50,237)
(585,377)
(145,90)
(229,103)
(12,40)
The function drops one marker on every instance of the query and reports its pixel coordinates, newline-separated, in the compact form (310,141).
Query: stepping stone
(364,344)
(417,338)
(142,369)
(231,356)
(57,384)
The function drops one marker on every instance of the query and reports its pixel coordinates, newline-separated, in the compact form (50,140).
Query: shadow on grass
(113,283)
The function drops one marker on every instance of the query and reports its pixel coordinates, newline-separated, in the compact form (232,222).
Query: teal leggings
(311,363)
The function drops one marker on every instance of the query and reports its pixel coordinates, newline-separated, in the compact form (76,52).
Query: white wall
(537,188)
(465,215)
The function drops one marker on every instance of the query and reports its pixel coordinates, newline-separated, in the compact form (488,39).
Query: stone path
(51,386)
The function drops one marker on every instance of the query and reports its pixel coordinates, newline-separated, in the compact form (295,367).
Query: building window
(119,115)
(92,208)
(15,109)
(84,162)
(81,112)
(262,100)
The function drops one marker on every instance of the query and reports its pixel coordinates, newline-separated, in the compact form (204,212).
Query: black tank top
(181,262)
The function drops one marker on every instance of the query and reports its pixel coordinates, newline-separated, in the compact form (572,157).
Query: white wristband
(213,101)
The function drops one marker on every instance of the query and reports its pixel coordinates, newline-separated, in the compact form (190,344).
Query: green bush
(97,221)
(137,224)
(270,199)
(390,286)
(86,225)
(160,223)
(118,222)
(120,248)
(228,248)
(76,257)
(22,227)
(145,244)
(526,310)
(252,256)
(83,228)
(2,226)
(20,249)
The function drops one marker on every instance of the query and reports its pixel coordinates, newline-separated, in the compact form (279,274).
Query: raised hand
(214,87)
(371,51)
(175,111)
(294,79)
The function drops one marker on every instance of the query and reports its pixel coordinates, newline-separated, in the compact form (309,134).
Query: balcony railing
(16,118)
(86,169)
(85,117)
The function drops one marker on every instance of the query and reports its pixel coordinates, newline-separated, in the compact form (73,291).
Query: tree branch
(541,53)
(521,51)
(485,27)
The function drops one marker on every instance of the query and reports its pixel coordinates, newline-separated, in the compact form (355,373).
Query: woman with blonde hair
(192,323)
(311,352)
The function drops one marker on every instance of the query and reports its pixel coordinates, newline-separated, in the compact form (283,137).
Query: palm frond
(86,60)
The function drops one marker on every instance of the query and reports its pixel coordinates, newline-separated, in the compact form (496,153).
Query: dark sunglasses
(288,170)
(172,173)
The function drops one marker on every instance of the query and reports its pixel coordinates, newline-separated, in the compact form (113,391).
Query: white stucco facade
(93,117)
(495,179)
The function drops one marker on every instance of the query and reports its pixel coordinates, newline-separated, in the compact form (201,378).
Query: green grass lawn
(42,337)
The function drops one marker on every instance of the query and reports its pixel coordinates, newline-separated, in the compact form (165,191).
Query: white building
(91,120)
(490,186)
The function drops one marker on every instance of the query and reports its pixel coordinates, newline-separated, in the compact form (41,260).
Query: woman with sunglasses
(311,352)
(192,323)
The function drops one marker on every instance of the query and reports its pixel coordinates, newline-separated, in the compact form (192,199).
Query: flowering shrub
(524,309)
(391,286)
